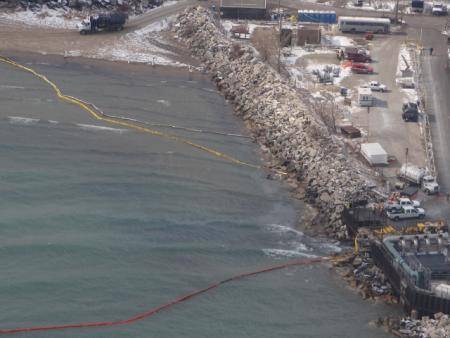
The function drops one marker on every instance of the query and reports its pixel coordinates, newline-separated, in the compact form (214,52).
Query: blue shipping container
(317,16)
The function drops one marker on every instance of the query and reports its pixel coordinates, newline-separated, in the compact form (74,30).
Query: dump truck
(103,22)
(419,176)
(410,112)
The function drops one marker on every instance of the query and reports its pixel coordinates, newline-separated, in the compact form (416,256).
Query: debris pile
(363,275)
(437,327)
(293,135)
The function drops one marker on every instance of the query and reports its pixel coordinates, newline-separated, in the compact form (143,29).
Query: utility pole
(406,159)
(368,124)
(396,11)
(279,36)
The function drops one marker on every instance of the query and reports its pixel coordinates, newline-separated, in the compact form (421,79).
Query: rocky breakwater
(280,121)
(437,327)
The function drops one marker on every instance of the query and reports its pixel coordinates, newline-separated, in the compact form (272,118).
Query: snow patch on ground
(411,94)
(152,28)
(60,18)
(294,53)
(381,6)
(338,41)
(403,55)
(64,18)
(139,46)
(229,24)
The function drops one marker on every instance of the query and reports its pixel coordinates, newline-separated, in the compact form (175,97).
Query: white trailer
(365,98)
(374,153)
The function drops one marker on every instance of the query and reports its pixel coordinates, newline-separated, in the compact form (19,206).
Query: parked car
(368,36)
(377,86)
(406,213)
(360,68)
(410,112)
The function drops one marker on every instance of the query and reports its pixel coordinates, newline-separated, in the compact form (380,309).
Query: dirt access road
(16,37)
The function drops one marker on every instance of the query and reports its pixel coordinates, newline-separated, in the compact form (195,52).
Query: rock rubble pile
(437,327)
(364,276)
(281,122)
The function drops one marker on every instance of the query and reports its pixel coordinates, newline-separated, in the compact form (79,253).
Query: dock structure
(418,269)
(414,259)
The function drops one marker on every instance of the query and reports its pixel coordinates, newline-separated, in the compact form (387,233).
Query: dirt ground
(20,38)
(17,37)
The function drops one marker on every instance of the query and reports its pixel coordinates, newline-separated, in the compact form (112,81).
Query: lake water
(101,224)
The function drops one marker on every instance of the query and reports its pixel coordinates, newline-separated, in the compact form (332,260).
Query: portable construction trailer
(374,153)
(365,97)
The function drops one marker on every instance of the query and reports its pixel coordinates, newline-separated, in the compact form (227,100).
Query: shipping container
(325,17)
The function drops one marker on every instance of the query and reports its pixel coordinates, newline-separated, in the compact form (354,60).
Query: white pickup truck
(401,202)
(405,213)
(375,86)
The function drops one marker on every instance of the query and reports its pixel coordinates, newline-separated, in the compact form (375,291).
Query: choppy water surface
(102,223)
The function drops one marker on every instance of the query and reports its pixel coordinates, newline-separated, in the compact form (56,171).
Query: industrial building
(243,9)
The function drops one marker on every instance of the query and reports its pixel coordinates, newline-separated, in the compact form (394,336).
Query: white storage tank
(374,153)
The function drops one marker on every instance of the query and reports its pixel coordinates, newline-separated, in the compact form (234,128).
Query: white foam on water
(22,120)
(209,90)
(53,122)
(92,127)
(331,247)
(283,229)
(164,102)
(11,87)
(287,253)
(302,247)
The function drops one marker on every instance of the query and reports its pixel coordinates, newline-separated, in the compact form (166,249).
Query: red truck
(360,68)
